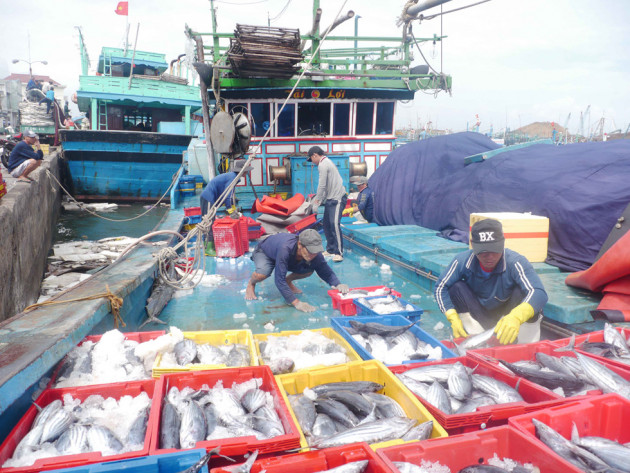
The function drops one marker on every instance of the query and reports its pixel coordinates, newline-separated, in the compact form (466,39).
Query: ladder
(102,116)
(107,65)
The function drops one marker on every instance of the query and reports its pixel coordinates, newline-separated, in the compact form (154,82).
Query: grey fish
(67,365)
(267,413)
(416,387)
(210,355)
(353,401)
(501,392)
(351,467)
(304,410)
(336,411)
(236,358)
(474,341)
(550,380)
(430,373)
(211,418)
(227,406)
(85,365)
(44,413)
(56,424)
(138,430)
(29,442)
(323,426)
(473,404)
(553,363)
(604,378)
(193,426)
(459,382)
(613,337)
(101,439)
(407,337)
(437,396)
(482,469)
(253,399)
(73,441)
(355,292)
(556,442)
(268,427)
(185,351)
(356,386)
(380,329)
(612,453)
(419,432)
(244,467)
(370,432)
(386,407)
(281,365)
(169,426)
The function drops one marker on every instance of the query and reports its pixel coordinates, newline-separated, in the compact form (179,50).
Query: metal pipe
(316,19)
(340,20)
(415,9)
(205,108)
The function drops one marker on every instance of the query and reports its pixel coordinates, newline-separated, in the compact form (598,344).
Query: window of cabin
(137,120)
(365,118)
(341,119)
(261,118)
(237,107)
(384,118)
(286,120)
(313,118)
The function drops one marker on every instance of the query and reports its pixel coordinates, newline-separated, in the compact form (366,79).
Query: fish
(386,407)
(281,365)
(56,424)
(210,355)
(253,399)
(438,397)
(227,406)
(553,363)
(556,442)
(370,432)
(101,439)
(185,351)
(244,467)
(169,426)
(193,425)
(612,453)
(419,432)
(85,365)
(267,413)
(416,387)
(324,426)
(474,341)
(499,391)
(211,418)
(350,467)
(602,377)
(236,357)
(483,469)
(407,337)
(356,386)
(202,462)
(380,329)
(430,373)
(615,338)
(29,442)
(336,411)
(550,380)
(138,429)
(73,441)
(304,410)
(473,404)
(352,400)
(270,428)
(459,382)
(44,413)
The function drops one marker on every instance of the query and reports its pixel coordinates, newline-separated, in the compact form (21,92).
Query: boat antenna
(133,56)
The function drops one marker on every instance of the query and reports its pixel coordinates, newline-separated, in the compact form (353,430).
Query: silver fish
(501,392)
(602,377)
(304,410)
(459,382)
(420,432)
(138,430)
(416,387)
(430,373)
(29,442)
(379,329)
(236,358)
(169,426)
(351,467)
(407,338)
(73,441)
(281,365)
(556,442)
(211,418)
(267,412)
(370,432)
(353,401)
(210,355)
(473,404)
(268,427)
(356,386)
(193,426)
(56,424)
(612,453)
(613,337)
(244,467)
(437,396)
(553,363)
(44,413)
(475,341)
(336,411)
(101,439)
(386,407)
(185,351)
(253,399)
(227,406)
(323,426)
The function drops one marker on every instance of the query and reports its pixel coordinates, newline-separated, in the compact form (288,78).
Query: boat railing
(139,86)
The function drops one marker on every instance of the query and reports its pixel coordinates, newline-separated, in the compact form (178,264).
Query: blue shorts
(264,264)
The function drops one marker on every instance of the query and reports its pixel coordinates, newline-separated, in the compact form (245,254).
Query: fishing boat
(141,122)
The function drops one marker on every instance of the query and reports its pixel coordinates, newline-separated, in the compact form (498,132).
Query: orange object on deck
(275,206)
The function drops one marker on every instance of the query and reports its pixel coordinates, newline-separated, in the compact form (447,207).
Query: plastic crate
(116,391)
(535,397)
(243,229)
(327,332)
(216,337)
(139,337)
(474,448)
(605,416)
(340,324)
(372,370)
(302,224)
(229,446)
(190,211)
(513,353)
(346,305)
(227,237)
(319,460)
(413,315)
(168,463)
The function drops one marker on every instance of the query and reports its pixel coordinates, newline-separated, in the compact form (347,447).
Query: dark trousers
(332,225)
(465,300)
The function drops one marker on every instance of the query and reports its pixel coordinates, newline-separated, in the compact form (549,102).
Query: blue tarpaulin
(583,188)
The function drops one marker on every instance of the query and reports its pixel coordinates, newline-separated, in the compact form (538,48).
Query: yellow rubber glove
(231,210)
(508,327)
(456,323)
(348,212)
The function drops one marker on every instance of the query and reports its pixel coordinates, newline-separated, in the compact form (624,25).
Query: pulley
(280,173)
(358,169)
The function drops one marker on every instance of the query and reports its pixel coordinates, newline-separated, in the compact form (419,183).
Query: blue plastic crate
(167,463)
(411,315)
(340,324)
(193,219)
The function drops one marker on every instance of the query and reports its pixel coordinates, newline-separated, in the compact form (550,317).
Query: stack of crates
(193,217)
(3,186)
(228,241)
(198,182)
(187,186)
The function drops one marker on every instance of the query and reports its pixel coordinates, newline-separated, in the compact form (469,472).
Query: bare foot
(250,293)
(294,288)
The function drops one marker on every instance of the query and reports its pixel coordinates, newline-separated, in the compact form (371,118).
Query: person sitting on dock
(491,286)
(23,160)
(217,186)
(332,193)
(365,200)
(284,252)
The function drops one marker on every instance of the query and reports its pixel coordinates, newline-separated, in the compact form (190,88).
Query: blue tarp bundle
(583,188)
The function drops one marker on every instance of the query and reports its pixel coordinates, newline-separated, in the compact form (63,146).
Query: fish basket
(327,332)
(236,446)
(116,391)
(341,324)
(605,416)
(474,448)
(139,337)
(534,398)
(413,315)
(300,225)
(345,305)
(192,211)
(215,337)
(255,232)
(167,463)
(319,460)
(227,238)
(372,370)
(594,337)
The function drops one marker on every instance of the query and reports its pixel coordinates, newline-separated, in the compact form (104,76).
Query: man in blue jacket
(217,186)
(491,285)
(301,255)
(23,160)
(365,200)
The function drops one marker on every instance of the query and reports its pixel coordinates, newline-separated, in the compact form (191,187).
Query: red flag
(122,8)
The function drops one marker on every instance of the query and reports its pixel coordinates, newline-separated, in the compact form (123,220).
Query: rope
(115,304)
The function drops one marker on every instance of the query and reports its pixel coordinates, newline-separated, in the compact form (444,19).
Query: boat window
(313,119)
(136,120)
(286,120)
(341,119)
(384,118)
(261,118)
(365,118)
(237,107)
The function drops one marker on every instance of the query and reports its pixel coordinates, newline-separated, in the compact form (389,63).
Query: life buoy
(74,98)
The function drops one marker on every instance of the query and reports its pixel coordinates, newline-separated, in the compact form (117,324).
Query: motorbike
(7,144)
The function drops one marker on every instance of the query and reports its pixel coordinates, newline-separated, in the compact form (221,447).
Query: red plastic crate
(513,353)
(229,446)
(190,211)
(596,337)
(302,224)
(243,226)
(605,416)
(460,451)
(117,390)
(346,306)
(535,397)
(227,237)
(254,233)
(319,460)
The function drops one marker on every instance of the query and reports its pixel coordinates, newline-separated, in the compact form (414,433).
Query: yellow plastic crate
(371,370)
(524,233)
(327,332)
(215,337)
(45,149)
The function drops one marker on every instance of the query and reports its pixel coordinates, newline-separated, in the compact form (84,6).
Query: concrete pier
(28,214)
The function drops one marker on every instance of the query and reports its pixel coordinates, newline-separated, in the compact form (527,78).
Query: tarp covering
(276,206)
(582,188)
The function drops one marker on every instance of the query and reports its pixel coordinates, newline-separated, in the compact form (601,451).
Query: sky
(513,62)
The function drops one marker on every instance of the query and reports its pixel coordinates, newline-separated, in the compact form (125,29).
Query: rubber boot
(210,250)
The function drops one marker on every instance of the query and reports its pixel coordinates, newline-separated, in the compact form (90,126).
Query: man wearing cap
(490,286)
(365,200)
(332,193)
(301,255)
(23,160)
(217,186)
